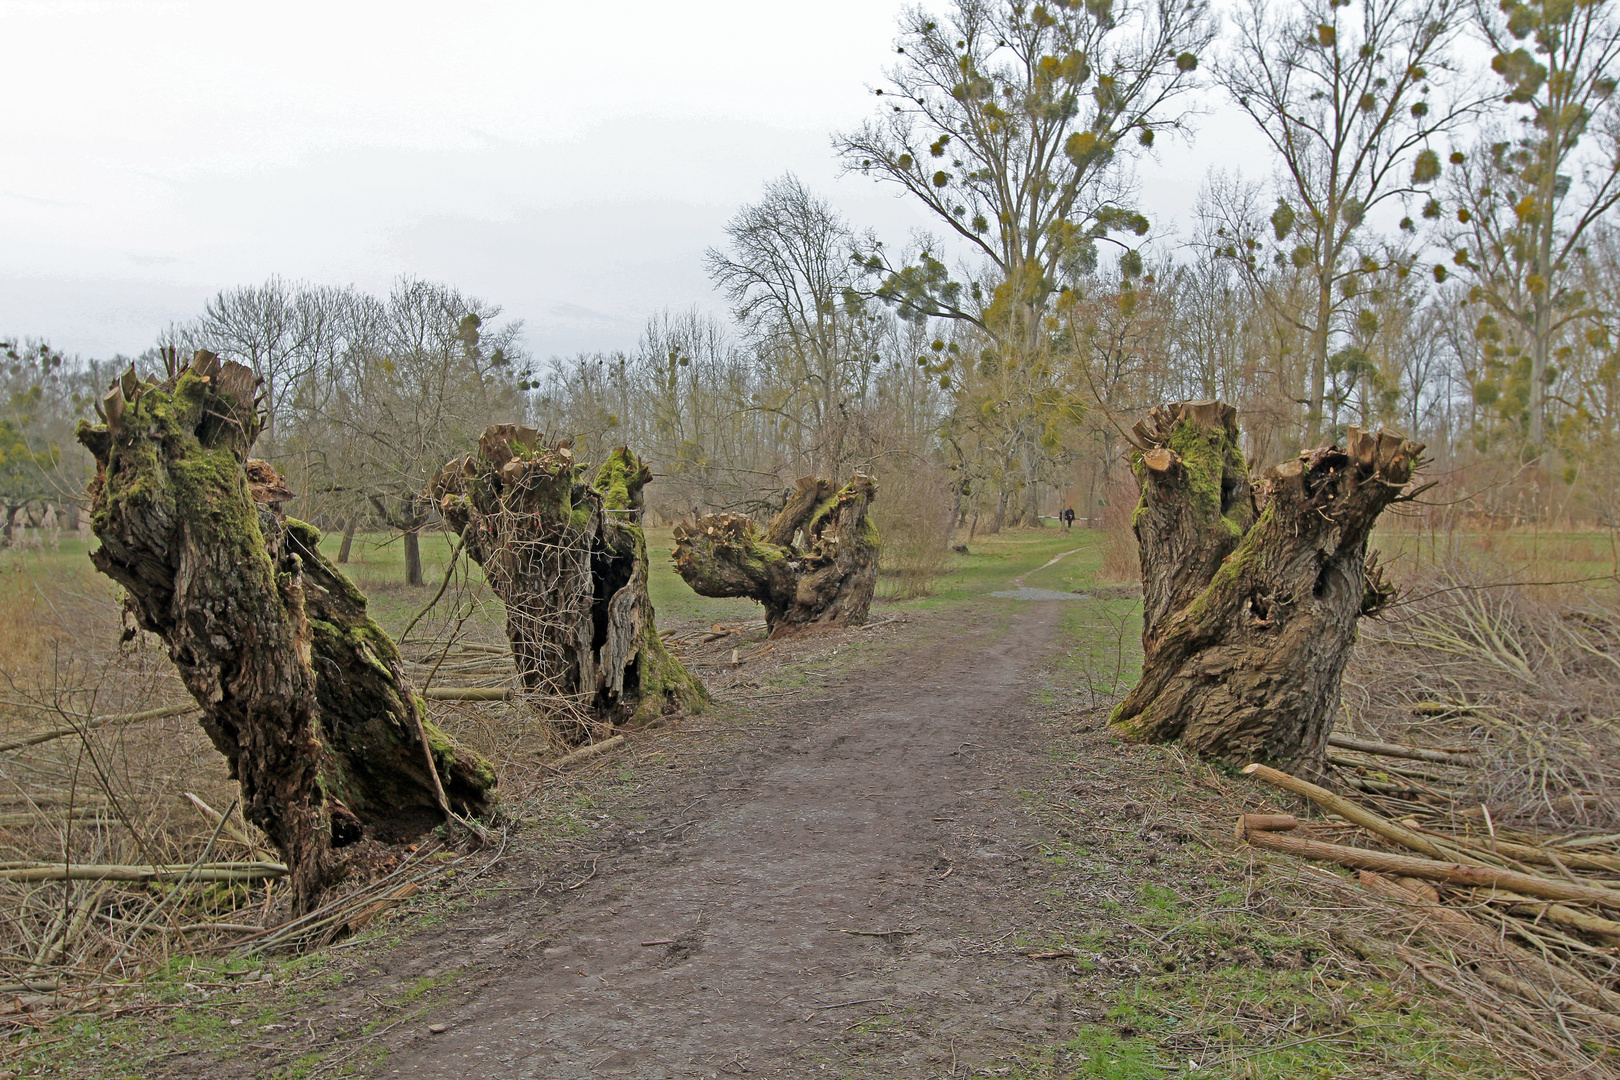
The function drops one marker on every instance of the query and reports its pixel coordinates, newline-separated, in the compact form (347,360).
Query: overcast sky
(567,161)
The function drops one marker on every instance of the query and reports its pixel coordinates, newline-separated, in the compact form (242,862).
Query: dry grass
(153,792)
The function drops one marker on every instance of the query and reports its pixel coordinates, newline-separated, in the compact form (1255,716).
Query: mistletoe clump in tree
(569,561)
(1251,592)
(300,689)
(814,564)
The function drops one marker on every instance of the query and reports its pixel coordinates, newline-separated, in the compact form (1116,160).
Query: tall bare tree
(1342,92)
(791,278)
(1526,204)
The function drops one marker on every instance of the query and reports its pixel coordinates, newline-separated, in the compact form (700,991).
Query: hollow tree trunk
(300,690)
(348,539)
(1251,592)
(815,562)
(569,561)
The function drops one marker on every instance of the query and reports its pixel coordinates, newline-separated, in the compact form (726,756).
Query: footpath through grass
(1194,958)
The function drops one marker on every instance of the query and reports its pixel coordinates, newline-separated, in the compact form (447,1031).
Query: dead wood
(569,561)
(90,723)
(585,753)
(1395,750)
(1435,870)
(814,563)
(1266,823)
(299,688)
(1348,809)
(236,871)
(1489,942)
(1251,592)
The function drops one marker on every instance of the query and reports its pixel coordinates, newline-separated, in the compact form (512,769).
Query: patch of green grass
(673,599)
(424,986)
(993,561)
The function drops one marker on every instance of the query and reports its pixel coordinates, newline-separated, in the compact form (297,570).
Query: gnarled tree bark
(1251,591)
(815,562)
(300,689)
(569,561)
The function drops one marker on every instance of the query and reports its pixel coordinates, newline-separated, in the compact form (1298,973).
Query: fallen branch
(1411,753)
(1266,823)
(468,693)
(1527,853)
(1605,929)
(1346,809)
(1433,870)
(1535,994)
(73,813)
(90,723)
(1491,944)
(584,753)
(371,911)
(232,871)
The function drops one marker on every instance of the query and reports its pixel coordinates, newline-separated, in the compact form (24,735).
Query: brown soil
(885,807)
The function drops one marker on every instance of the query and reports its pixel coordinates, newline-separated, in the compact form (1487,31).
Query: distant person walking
(1068,517)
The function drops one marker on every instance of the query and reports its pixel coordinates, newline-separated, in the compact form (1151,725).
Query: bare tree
(1525,205)
(1342,92)
(791,279)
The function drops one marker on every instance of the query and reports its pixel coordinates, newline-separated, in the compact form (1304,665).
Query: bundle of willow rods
(1535,919)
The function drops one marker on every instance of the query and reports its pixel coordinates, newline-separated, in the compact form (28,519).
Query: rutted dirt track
(887,807)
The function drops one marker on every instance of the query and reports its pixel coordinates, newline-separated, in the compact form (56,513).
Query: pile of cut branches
(1527,926)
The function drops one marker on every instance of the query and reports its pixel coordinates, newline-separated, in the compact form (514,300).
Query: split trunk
(300,689)
(569,561)
(814,564)
(1251,591)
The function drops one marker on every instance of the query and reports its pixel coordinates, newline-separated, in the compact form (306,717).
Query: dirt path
(888,807)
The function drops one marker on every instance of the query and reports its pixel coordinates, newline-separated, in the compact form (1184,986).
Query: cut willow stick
(74,813)
(1411,753)
(235,871)
(1537,996)
(1528,853)
(1266,823)
(584,753)
(90,723)
(1345,808)
(1493,946)
(1434,870)
(468,693)
(238,833)
(1519,904)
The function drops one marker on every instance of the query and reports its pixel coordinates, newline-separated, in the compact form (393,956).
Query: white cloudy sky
(565,160)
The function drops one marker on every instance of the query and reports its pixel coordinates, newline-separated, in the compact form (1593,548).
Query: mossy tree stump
(1251,591)
(569,561)
(300,689)
(814,564)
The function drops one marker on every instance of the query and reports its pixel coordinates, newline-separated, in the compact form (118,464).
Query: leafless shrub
(912,513)
(1119,556)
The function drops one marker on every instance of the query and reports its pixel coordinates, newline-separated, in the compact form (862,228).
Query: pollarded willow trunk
(569,561)
(814,564)
(1251,592)
(300,690)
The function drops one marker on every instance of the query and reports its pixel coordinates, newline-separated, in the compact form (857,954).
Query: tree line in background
(1433,248)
